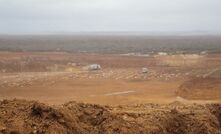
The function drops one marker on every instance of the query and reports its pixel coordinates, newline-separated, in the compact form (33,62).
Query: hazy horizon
(117,33)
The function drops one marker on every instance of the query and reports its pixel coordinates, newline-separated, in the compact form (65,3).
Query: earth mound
(206,87)
(21,116)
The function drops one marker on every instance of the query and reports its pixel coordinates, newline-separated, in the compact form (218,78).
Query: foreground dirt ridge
(21,116)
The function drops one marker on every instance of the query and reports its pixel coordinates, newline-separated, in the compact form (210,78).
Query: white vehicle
(94,67)
(162,53)
(144,70)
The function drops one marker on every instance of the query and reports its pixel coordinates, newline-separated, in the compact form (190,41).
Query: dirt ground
(202,88)
(20,116)
(56,93)
(59,77)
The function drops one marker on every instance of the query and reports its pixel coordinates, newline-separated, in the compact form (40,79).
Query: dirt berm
(21,117)
(202,88)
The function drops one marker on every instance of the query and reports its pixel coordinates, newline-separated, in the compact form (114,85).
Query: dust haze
(110,67)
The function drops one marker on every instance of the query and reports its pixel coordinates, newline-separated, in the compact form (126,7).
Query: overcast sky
(48,16)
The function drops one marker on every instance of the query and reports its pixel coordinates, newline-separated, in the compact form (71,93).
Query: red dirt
(19,116)
(201,88)
(61,82)
(52,79)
